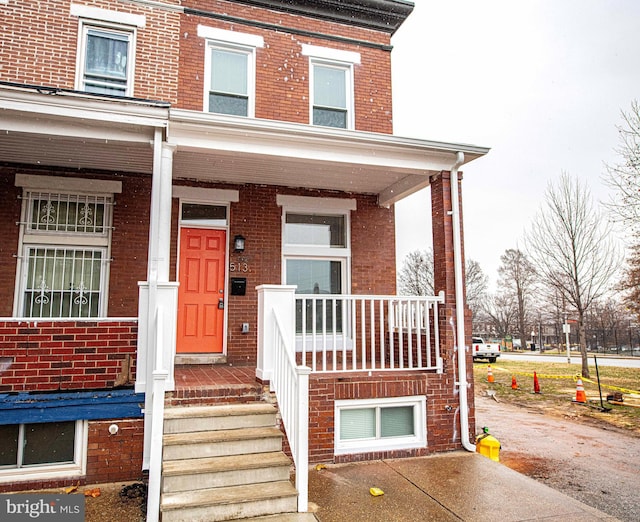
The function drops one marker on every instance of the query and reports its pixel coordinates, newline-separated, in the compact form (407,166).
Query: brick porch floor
(213,384)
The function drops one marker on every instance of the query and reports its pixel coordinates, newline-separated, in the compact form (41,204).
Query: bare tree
(574,253)
(501,311)
(517,280)
(476,282)
(416,275)
(416,278)
(624,177)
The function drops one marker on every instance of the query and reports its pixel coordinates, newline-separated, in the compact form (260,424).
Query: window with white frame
(66,236)
(316,257)
(44,450)
(106,50)
(380,424)
(229,71)
(331,86)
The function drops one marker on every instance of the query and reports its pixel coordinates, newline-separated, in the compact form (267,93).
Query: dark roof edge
(379,15)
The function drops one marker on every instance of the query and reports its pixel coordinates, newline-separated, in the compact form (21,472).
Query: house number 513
(239,267)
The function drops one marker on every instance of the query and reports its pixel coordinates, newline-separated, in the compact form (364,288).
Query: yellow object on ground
(488,446)
(376,492)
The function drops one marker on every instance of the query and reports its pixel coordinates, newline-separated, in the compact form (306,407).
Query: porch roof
(40,126)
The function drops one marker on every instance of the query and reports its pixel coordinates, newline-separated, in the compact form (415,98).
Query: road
(596,465)
(622,362)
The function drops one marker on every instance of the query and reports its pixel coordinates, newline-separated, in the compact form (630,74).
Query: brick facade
(47,355)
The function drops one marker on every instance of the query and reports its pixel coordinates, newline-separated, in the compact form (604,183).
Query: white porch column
(279,300)
(157,296)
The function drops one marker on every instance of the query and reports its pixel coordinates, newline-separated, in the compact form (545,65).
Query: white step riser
(231,511)
(224,478)
(237,447)
(194,424)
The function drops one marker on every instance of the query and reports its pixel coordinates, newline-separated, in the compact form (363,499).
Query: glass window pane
(209,214)
(357,423)
(229,72)
(106,62)
(329,87)
(330,118)
(315,276)
(68,213)
(9,445)
(315,230)
(49,443)
(229,104)
(396,421)
(62,283)
(107,54)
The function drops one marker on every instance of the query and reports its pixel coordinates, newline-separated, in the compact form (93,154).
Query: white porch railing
(290,382)
(342,333)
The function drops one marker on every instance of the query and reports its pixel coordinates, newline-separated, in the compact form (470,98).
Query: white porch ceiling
(79,132)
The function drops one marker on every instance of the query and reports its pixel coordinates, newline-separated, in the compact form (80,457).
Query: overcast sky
(540,82)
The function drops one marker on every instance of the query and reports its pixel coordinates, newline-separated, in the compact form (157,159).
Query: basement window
(42,450)
(380,424)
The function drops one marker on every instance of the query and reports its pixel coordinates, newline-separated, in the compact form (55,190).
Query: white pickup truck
(482,350)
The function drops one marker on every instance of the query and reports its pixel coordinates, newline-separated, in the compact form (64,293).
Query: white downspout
(460,329)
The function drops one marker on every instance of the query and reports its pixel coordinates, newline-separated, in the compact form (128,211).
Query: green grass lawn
(558,389)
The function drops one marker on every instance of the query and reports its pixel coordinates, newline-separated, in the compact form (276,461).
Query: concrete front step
(215,472)
(284,517)
(224,417)
(202,444)
(230,503)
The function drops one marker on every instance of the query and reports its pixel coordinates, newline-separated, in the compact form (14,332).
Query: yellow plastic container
(488,446)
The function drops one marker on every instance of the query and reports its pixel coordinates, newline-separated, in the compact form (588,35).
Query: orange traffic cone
(514,383)
(581,396)
(536,384)
(490,374)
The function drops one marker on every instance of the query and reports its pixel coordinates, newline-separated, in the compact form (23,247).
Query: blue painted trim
(23,408)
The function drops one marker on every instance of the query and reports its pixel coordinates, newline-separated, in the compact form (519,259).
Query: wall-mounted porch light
(238,243)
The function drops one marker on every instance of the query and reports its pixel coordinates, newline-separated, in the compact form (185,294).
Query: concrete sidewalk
(446,487)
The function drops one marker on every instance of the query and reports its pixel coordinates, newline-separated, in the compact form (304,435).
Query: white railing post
(273,297)
(302,463)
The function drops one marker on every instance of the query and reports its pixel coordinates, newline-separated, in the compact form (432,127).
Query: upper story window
(229,71)
(331,86)
(65,247)
(106,67)
(106,50)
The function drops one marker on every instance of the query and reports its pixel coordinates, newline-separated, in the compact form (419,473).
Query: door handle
(221,304)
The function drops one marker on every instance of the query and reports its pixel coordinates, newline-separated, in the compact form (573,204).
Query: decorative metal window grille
(76,213)
(63,282)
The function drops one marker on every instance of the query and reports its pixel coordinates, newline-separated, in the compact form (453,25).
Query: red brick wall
(40,40)
(441,416)
(65,355)
(258,218)
(282,73)
(10,204)
(110,458)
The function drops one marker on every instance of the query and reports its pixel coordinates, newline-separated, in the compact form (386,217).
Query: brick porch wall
(324,390)
(45,355)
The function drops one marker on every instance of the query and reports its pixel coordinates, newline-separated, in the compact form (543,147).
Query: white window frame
(339,59)
(60,239)
(366,445)
(325,207)
(54,470)
(234,42)
(111,22)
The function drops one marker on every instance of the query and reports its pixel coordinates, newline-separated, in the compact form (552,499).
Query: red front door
(201,292)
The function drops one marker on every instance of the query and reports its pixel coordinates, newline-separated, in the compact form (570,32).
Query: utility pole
(565,329)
